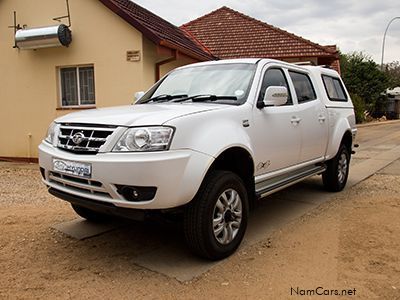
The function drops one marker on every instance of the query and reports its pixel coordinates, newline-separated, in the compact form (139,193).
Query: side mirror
(138,95)
(275,96)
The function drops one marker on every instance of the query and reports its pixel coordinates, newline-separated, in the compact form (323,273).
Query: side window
(274,77)
(334,88)
(303,86)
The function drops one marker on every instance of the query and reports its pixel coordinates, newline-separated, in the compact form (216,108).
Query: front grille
(83,139)
(82,185)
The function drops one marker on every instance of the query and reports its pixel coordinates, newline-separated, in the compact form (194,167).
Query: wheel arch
(347,140)
(238,160)
(340,134)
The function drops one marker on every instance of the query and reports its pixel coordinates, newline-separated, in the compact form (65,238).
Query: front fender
(213,132)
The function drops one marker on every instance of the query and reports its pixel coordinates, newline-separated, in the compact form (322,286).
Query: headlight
(52,133)
(144,139)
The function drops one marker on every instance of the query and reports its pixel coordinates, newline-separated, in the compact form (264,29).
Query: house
(227,33)
(117,49)
(60,56)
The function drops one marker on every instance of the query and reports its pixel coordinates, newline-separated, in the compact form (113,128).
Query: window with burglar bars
(77,86)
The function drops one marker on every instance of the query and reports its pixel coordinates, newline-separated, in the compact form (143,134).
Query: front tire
(337,172)
(216,220)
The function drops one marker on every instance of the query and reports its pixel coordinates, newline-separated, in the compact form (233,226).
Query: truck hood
(138,115)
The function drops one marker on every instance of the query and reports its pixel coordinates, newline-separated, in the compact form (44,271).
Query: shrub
(359,108)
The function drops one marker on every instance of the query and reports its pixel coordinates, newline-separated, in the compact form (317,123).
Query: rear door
(312,117)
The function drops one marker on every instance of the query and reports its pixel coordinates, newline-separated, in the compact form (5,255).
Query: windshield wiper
(165,97)
(206,97)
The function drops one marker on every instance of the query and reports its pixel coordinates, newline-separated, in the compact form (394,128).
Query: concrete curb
(371,166)
(378,123)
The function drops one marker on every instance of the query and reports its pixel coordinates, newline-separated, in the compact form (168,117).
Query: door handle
(321,118)
(295,120)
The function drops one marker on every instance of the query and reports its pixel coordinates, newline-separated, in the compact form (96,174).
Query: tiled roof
(158,30)
(231,34)
(336,63)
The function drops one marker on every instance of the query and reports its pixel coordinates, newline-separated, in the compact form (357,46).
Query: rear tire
(90,215)
(337,172)
(216,219)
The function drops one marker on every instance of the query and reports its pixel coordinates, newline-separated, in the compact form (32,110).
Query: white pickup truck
(206,140)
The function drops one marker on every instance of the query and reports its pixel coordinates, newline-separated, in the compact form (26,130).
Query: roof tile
(157,29)
(230,34)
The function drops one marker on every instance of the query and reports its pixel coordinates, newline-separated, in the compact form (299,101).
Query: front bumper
(177,175)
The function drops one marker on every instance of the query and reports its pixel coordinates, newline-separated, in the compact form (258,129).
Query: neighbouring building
(227,33)
(393,105)
(117,49)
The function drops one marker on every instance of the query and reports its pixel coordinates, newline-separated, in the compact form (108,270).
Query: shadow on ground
(159,245)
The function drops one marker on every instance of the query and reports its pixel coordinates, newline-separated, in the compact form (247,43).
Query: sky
(353,25)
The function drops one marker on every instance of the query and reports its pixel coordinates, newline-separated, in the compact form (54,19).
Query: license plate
(72,167)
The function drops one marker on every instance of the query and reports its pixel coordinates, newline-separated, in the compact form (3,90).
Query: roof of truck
(313,69)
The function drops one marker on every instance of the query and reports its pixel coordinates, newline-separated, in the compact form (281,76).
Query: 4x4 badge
(263,165)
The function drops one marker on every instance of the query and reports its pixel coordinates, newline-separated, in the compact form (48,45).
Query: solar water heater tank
(43,37)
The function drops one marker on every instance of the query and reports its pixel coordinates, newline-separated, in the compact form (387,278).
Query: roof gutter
(114,8)
(153,37)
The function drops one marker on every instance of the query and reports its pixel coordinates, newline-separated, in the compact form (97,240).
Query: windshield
(227,83)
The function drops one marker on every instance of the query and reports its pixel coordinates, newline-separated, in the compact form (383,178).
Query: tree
(364,78)
(392,70)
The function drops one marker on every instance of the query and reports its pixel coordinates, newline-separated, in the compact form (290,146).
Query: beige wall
(151,56)
(181,61)
(29,98)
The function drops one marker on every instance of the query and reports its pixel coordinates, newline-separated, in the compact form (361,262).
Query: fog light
(137,193)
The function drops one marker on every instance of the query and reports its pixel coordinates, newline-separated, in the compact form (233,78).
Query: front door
(276,132)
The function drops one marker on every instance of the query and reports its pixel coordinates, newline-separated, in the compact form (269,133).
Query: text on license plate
(72,167)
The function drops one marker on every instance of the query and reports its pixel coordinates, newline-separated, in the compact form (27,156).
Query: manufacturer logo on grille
(78,138)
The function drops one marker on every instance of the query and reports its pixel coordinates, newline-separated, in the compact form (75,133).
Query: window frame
(60,93)
(311,82)
(341,85)
(282,70)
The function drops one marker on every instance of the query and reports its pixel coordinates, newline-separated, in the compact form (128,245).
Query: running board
(278,183)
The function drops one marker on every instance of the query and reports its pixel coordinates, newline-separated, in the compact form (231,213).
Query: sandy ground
(351,242)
